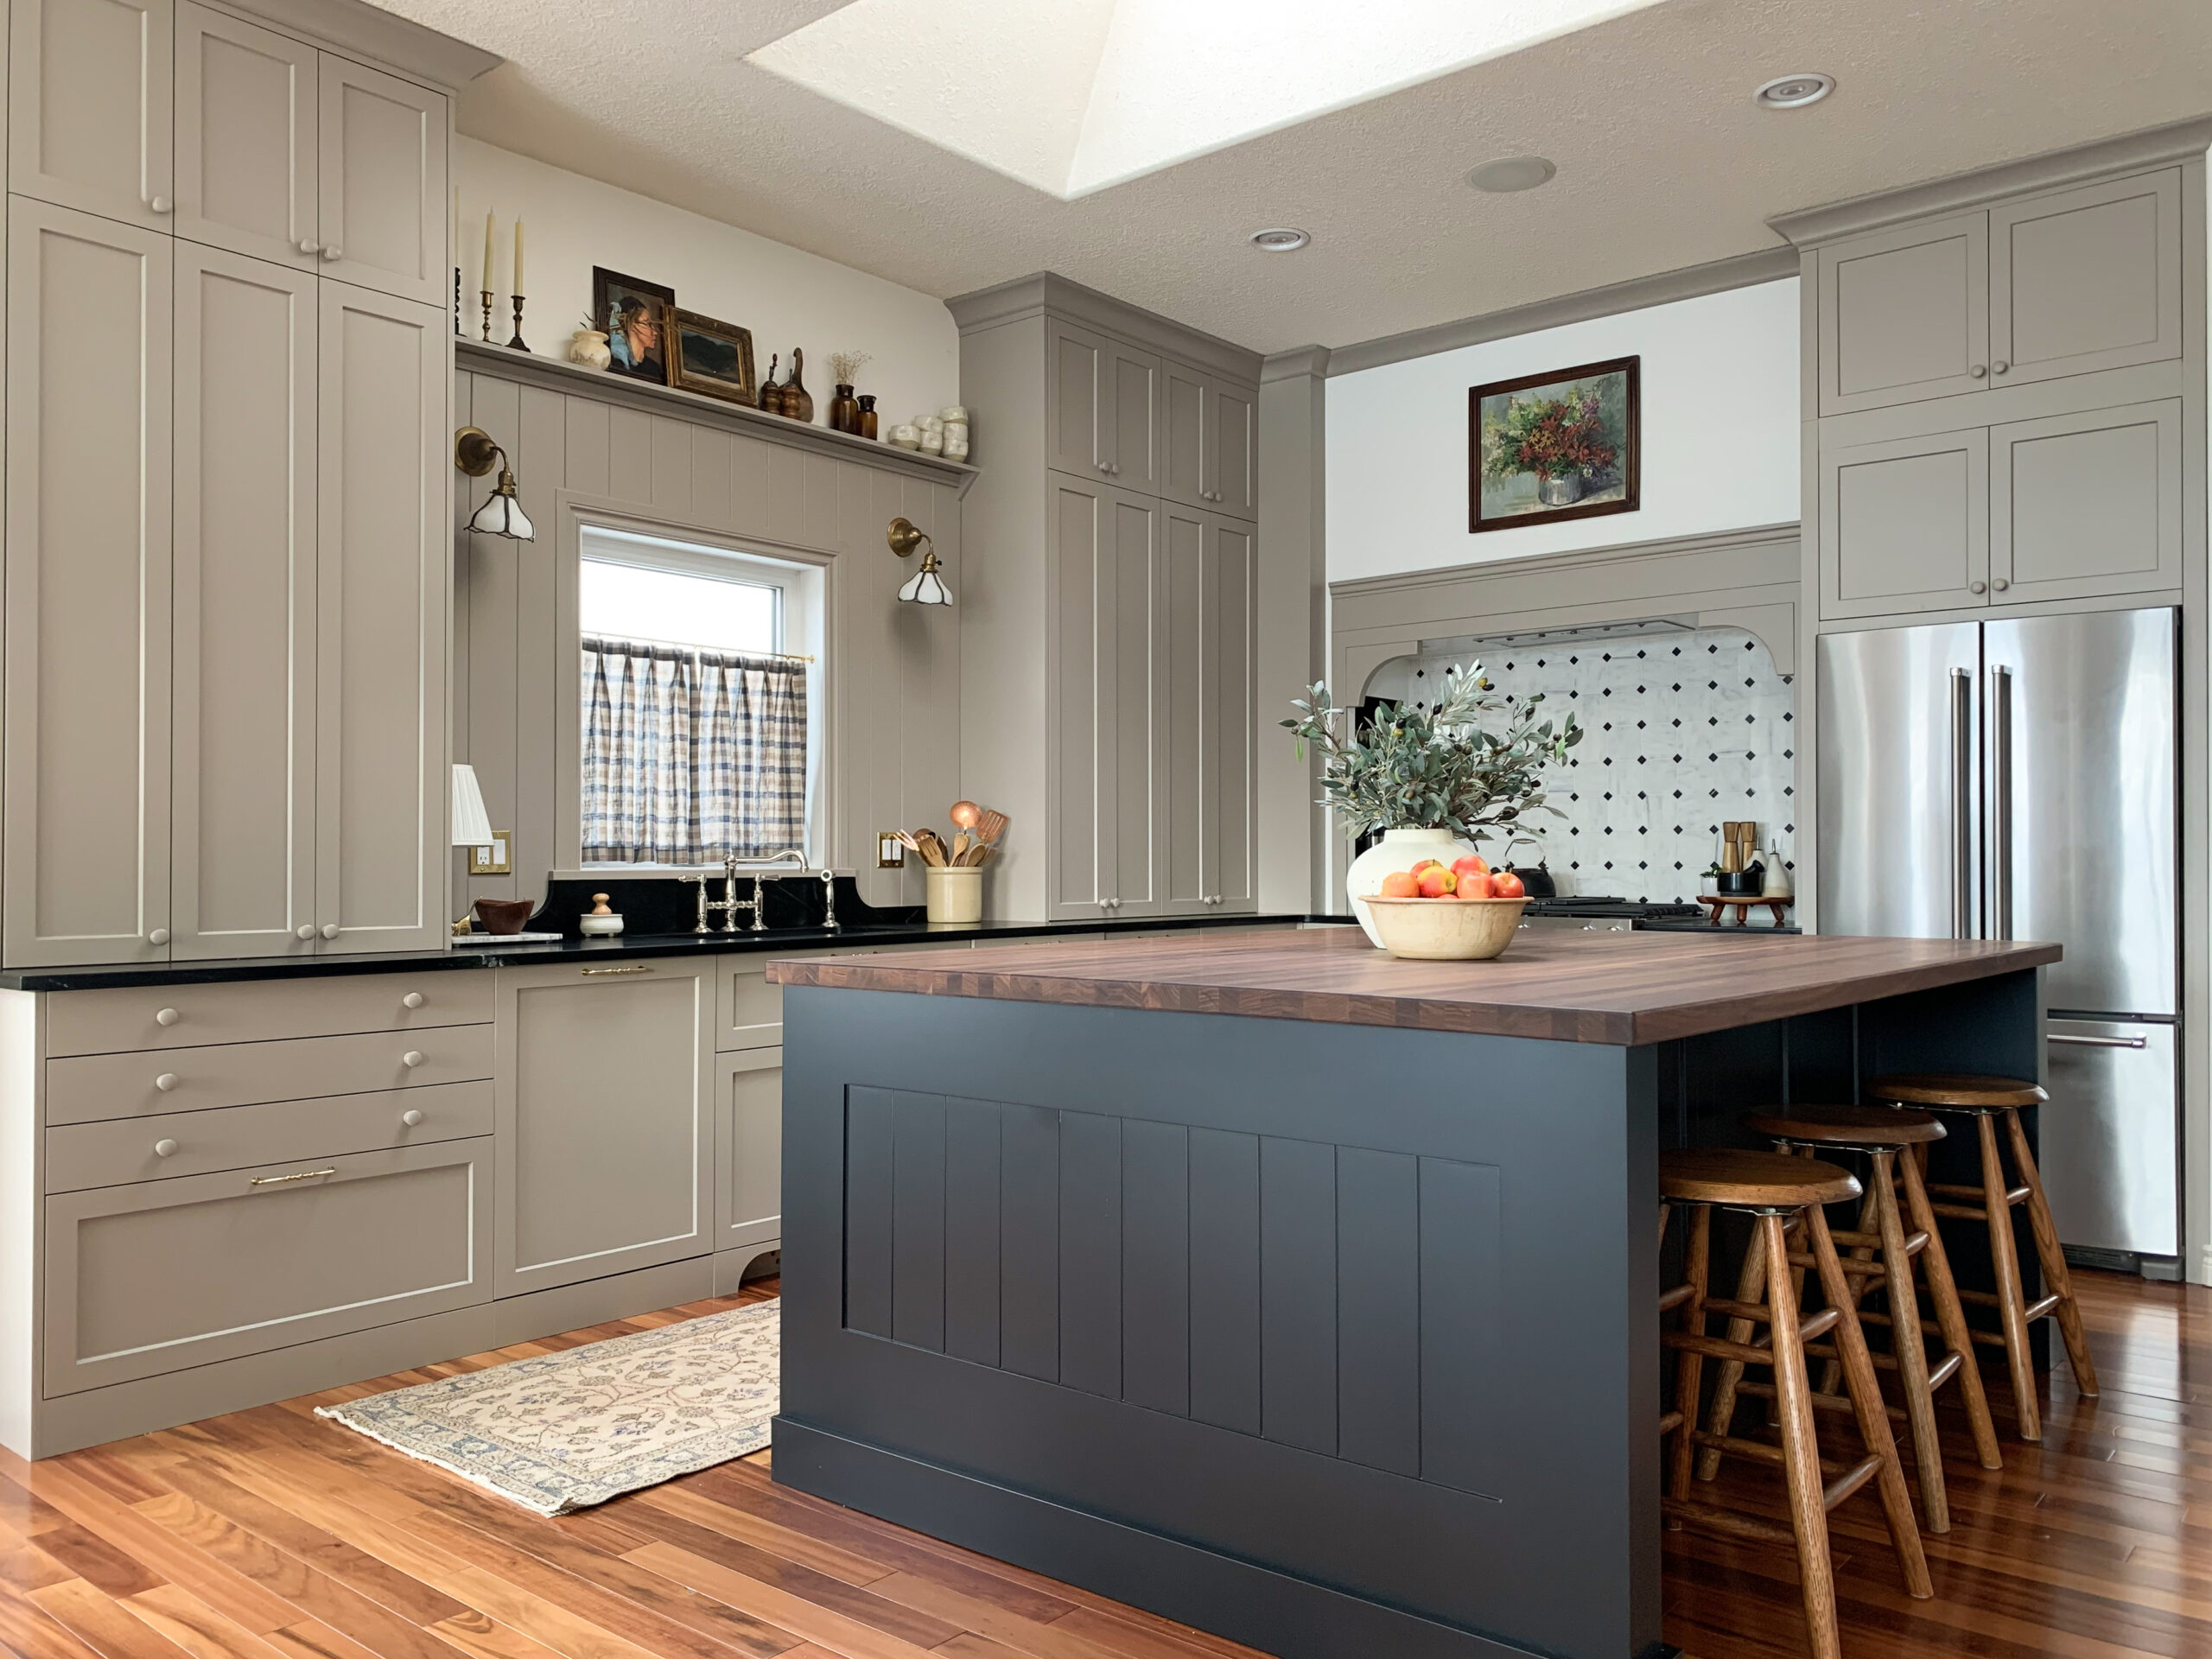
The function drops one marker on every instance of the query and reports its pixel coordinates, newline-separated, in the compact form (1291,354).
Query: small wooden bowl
(1446,930)
(502,917)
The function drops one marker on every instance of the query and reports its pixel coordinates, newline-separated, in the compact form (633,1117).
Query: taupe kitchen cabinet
(748,1151)
(1208,441)
(242,831)
(382,211)
(605,1119)
(90,106)
(86,873)
(1904,524)
(2057,283)
(1104,397)
(246,135)
(1206,707)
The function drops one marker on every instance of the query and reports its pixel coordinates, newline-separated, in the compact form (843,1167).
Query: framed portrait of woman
(636,317)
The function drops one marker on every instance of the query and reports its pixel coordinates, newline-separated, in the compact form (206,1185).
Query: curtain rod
(724,651)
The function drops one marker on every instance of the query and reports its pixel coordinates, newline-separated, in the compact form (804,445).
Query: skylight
(1073,96)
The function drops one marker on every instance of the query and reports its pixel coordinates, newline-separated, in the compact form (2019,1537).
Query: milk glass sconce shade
(475,454)
(926,585)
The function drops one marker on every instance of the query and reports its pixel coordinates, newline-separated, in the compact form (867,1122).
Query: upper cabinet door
(1133,424)
(1078,393)
(1232,449)
(2088,504)
(382,573)
(383,208)
(245,137)
(244,827)
(1232,778)
(90,106)
(2085,279)
(1904,524)
(1905,314)
(1185,466)
(87,745)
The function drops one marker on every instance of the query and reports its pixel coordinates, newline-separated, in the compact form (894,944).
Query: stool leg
(1750,1286)
(1907,1345)
(1951,1315)
(1689,1368)
(1800,1454)
(2054,1260)
(2007,1262)
(1831,1370)
(1873,1417)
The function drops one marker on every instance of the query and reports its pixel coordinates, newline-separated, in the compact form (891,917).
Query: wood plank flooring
(272,1534)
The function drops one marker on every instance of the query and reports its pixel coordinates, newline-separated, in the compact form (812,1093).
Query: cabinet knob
(412,1059)
(166,1017)
(2001,583)
(412,1000)
(167,1081)
(305,931)
(1999,366)
(331,252)
(330,930)
(165,1148)
(411,1118)
(159,936)
(160,204)
(309,247)
(1977,586)
(1977,371)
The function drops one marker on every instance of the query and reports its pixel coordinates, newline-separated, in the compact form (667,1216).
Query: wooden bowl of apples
(1465,913)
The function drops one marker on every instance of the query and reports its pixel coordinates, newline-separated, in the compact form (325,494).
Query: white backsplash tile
(1682,731)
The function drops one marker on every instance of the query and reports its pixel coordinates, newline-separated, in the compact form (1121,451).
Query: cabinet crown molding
(395,41)
(1048,291)
(1299,362)
(2181,141)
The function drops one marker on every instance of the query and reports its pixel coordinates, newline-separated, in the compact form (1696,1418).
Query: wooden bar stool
(1985,1100)
(1883,1254)
(1777,1190)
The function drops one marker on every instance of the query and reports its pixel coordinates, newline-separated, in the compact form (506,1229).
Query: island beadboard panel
(1626,989)
(890,680)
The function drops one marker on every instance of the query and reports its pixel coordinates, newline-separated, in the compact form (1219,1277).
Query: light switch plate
(493,860)
(890,851)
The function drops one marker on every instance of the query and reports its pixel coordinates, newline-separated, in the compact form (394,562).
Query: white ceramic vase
(588,346)
(1399,849)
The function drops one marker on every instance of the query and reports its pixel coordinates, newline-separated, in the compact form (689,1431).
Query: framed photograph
(1549,447)
(636,317)
(715,358)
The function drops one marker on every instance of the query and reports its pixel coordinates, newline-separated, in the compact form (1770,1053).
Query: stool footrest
(1764,1452)
(1820,1401)
(1973,1194)
(1844,1485)
(1960,1211)
(1670,1423)
(1717,1348)
(1732,1523)
(1851,1265)
(1673,1298)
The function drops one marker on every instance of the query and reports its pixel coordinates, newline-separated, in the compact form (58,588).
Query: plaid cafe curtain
(689,755)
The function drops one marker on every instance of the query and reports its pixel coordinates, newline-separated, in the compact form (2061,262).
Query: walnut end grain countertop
(1623,988)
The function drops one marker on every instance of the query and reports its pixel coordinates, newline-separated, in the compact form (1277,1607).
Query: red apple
(1506,885)
(1472,864)
(1400,884)
(1477,884)
(1437,882)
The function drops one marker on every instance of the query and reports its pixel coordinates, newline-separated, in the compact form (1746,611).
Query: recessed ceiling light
(1510,173)
(1793,92)
(1281,240)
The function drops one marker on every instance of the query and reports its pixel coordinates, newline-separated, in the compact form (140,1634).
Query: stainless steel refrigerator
(2016,779)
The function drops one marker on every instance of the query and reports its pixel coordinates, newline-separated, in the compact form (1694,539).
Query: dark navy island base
(1302,1295)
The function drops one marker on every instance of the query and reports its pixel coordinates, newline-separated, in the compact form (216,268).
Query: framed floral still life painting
(1549,447)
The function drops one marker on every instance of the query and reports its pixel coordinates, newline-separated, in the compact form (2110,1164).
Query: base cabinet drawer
(175,1144)
(180,1016)
(165,1274)
(748,1148)
(88,1088)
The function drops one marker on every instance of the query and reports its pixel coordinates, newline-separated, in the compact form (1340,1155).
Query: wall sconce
(501,514)
(925,586)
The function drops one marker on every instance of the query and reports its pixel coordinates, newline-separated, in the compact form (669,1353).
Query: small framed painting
(636,317)
(1555,446)
(715,358)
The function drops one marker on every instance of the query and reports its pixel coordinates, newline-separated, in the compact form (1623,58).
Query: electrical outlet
(491,860)
(890,851)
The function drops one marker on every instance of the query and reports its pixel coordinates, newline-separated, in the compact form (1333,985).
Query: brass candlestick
(516,344)
(485,295)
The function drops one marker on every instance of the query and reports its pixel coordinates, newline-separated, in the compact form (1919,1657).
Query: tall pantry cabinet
(229,364)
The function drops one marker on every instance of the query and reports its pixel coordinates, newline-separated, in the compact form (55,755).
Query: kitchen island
(1298,1293)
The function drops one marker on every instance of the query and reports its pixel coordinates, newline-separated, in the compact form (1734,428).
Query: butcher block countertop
(1622,988)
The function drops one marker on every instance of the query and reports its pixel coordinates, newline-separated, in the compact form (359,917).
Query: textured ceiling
(1663,160)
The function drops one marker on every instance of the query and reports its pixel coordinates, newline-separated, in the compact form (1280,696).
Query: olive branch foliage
(1440,768)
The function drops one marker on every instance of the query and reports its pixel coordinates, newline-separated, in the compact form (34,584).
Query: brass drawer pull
(279,1181)
(638,968)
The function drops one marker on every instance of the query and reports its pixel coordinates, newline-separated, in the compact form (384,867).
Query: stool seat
(1958,1092)
(1754,1179)
(1846,1126)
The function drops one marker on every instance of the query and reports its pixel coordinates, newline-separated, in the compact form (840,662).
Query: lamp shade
(502,515)
(472,824)
(925,586)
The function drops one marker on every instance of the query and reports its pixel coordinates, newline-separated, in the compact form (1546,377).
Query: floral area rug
(566,1431)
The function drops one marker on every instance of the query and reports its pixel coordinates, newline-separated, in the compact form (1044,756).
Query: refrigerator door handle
(2100,1042)
(2001,801)
(1962,803)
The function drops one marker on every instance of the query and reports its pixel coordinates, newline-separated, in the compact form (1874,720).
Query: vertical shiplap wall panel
(917,1222)
(871,1154)
(537,659)
(787,495)
(1298,1293)
(1156,1266)
(1091,1253)
(748,485)
(1225,1278)
(1378,1309)
(1029,1241)
(971,1231)
(819,479)
(586,470)
(671,469)
(710,478)
(629,456)
(1461,1342)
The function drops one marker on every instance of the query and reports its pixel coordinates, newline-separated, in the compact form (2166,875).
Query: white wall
(1720,442)
(786,297)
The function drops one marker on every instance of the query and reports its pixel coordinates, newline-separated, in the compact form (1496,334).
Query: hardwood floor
(271,1533)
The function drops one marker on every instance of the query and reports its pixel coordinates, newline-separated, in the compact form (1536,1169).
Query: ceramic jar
(1399,849)
(954,892)
(588,346)
(905,436)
